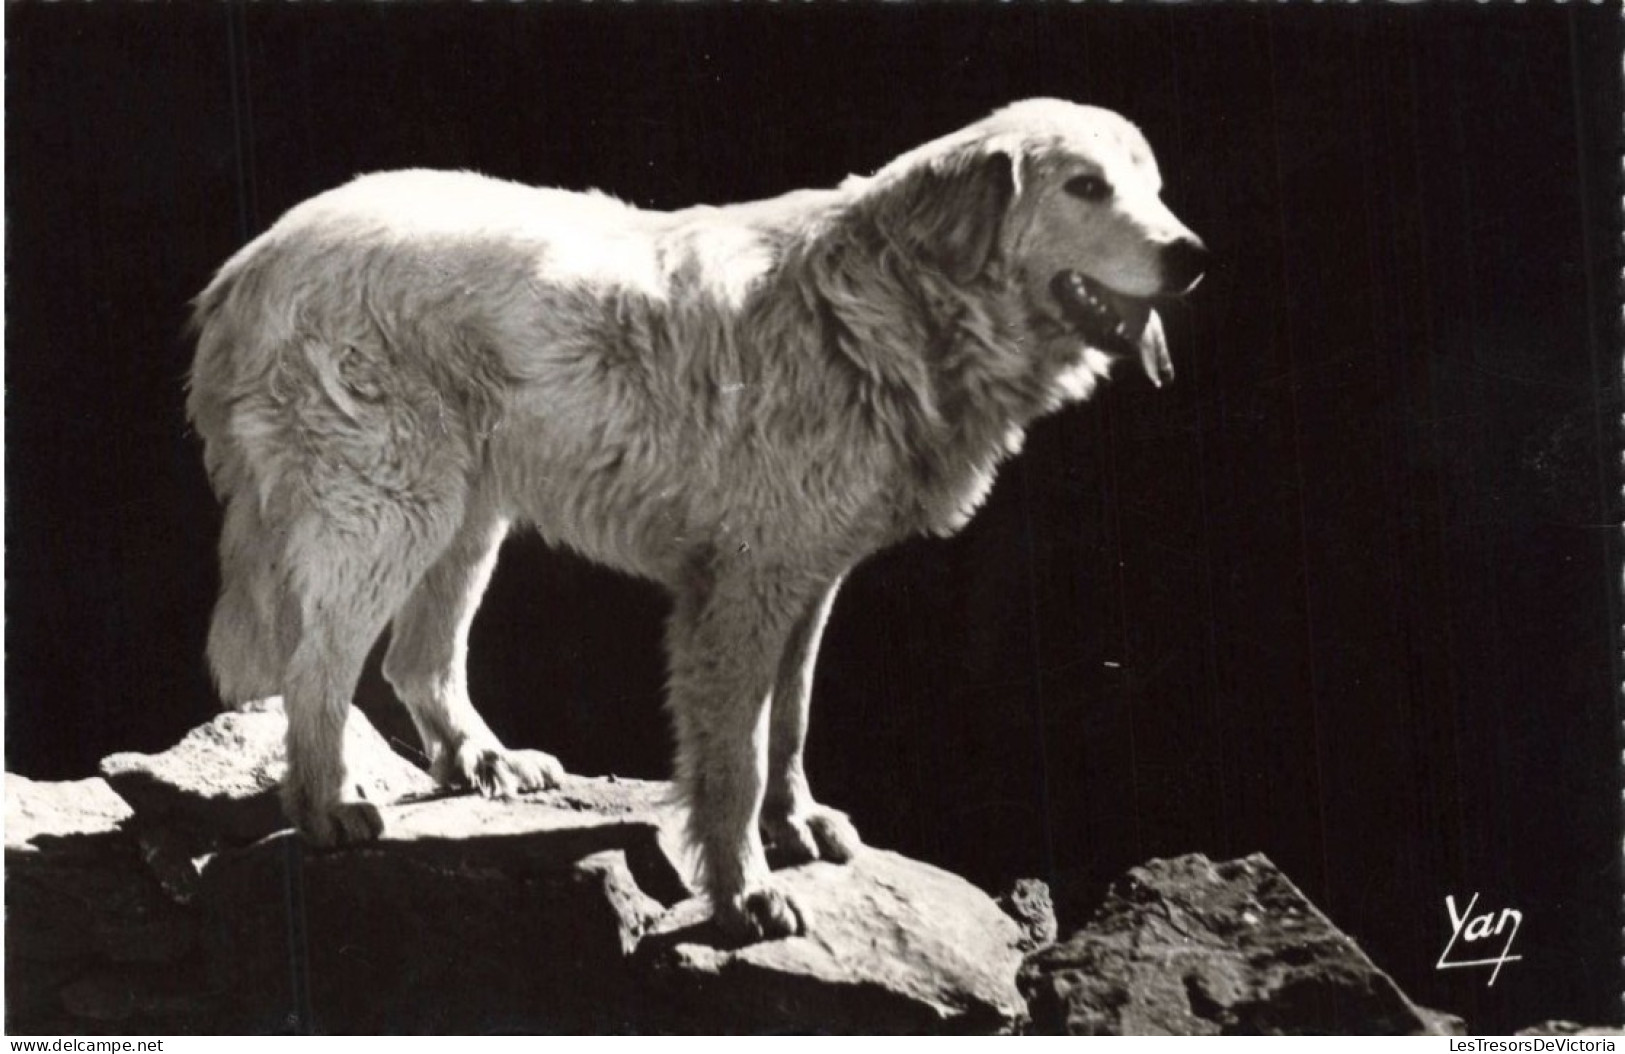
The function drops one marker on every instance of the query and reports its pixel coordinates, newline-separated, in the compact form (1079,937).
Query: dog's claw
(346,823)
(357,822)
(497,773)
(789,845)
(818,834)
(837,839)
(760,915)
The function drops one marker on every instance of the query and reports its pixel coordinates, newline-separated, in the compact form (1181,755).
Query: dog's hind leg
(342,582)
(427,665)
(795,828)
(245,654)
(725,636)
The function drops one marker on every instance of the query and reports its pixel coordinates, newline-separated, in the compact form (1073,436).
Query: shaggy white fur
(739,403)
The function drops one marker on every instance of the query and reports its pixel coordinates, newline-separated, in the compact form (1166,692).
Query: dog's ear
(950,211)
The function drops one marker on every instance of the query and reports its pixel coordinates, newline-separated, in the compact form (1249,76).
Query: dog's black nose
(1184,262)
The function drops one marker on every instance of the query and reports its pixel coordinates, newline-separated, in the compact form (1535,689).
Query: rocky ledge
(164,897)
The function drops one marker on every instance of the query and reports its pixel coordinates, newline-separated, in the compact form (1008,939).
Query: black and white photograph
(814,518)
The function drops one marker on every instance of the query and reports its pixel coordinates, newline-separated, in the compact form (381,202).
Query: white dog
(739,403)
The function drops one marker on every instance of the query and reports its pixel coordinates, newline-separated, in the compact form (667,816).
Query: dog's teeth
(1090,309)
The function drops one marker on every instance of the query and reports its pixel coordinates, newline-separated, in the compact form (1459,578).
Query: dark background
(1343,595)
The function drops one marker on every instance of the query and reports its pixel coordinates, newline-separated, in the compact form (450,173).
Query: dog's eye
(1089,188)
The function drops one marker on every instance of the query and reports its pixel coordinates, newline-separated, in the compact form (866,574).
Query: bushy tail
(244,653)
(212,380)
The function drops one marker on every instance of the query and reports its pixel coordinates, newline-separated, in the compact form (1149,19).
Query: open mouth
(1119,325)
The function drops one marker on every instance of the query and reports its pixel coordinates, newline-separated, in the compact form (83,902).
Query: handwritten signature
(1470,928)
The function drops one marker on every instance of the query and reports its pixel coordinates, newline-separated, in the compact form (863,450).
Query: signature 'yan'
(1465,926)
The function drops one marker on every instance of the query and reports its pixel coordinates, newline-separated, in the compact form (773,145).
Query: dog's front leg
(727,631)
(796,828)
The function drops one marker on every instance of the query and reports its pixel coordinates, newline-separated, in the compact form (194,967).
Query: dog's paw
(343,823)
(838,841)
(762,914)
(498,773)
(818,834)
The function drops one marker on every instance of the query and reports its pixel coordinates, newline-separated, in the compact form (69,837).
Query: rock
(180,904)
(59,815)
(1029,903)
(113,909)
(164,999)
(1568,1028)
(1440,1023)
(175,858)
(78,900)
(468,915)
(893,946)
(75,886)
(220,780)
(217,787)
(551,914)
(33,994)
(100,997)
(1189,947)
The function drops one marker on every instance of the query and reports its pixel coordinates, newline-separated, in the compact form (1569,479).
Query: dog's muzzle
(1184,262)
(1119,325)
(1126,326)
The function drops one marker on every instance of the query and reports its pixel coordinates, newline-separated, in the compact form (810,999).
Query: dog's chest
(646,499)
(946,507)
(950,494)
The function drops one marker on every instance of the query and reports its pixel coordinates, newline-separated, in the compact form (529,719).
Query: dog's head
(1061,203)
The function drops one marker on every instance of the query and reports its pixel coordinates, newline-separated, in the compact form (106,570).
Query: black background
(1343,595)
